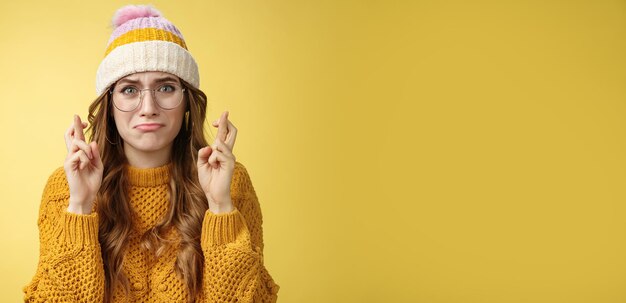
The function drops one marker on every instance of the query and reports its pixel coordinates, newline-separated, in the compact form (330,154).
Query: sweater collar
(147,177)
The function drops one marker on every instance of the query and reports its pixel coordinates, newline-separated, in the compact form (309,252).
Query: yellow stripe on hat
(145,34)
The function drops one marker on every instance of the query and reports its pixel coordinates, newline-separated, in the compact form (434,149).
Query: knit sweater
(71,269)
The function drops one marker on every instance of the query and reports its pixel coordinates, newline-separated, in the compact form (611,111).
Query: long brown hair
(187,200)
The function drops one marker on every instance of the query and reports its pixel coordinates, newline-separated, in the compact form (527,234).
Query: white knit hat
(144,41)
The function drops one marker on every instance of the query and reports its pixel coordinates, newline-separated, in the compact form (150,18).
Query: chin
(147,146)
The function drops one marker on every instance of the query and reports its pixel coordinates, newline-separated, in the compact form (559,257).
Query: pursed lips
(148,126)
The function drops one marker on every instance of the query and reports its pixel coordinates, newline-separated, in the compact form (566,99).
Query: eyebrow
(165,79)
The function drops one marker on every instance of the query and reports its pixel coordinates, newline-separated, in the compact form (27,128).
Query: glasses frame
(153,91)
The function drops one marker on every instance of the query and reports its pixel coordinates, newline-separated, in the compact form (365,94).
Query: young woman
(145,210)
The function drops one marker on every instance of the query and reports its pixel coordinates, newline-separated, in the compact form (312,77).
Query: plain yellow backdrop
(402,151)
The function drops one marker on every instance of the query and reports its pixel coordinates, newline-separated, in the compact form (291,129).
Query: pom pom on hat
(130,12)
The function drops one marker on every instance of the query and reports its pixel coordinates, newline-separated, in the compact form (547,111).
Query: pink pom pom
(130,12)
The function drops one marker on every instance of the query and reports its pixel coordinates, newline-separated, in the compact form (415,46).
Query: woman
(147,212)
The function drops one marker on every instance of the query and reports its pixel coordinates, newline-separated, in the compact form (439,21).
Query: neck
(147,159)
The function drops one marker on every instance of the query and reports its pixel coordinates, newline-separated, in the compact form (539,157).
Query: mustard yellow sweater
(70,265)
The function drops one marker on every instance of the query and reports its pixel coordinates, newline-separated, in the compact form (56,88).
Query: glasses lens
(169,96)
(126,98)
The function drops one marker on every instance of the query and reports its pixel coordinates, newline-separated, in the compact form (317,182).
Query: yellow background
(416,151)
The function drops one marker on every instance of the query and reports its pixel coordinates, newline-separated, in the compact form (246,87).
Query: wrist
(79,209)
(220,208)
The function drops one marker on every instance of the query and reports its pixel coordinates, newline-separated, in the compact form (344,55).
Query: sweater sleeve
(232,244)
(70,267)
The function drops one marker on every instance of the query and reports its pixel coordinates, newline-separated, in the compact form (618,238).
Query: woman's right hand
(83,168)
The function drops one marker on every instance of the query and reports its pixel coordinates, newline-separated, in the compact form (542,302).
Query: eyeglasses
(128,98)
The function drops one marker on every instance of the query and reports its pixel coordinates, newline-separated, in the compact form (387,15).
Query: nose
(148,106)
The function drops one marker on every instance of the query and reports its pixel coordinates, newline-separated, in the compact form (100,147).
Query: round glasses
(128,98)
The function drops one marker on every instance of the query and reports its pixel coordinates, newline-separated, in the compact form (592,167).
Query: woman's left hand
(216,164)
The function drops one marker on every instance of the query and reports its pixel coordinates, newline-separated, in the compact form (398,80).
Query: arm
(70,264)
(233,249)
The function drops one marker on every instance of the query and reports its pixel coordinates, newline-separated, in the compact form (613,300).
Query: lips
(148,126)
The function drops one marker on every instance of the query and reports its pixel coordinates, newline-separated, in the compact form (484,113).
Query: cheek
(121,121)
(178,119)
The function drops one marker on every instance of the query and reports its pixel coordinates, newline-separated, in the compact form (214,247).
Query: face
(148,128)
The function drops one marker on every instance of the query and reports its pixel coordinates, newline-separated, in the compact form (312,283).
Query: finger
(217,122)
(71,163)
(203,155)
(79,160)
(220,154)
(68,137)
(69,134)
(97,160)
(81,145)
(78,128)
(222,129)
(84,160)
(222,148)
(212,161)
(231,135)
(222,160)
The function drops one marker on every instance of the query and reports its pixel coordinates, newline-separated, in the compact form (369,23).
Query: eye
(167,88)
(129,90)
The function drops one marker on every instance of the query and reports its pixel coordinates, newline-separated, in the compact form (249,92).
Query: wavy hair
(188,203)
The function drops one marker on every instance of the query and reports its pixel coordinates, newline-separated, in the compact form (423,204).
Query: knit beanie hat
(142,40)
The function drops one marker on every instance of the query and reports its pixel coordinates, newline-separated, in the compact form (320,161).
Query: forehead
(148,77)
